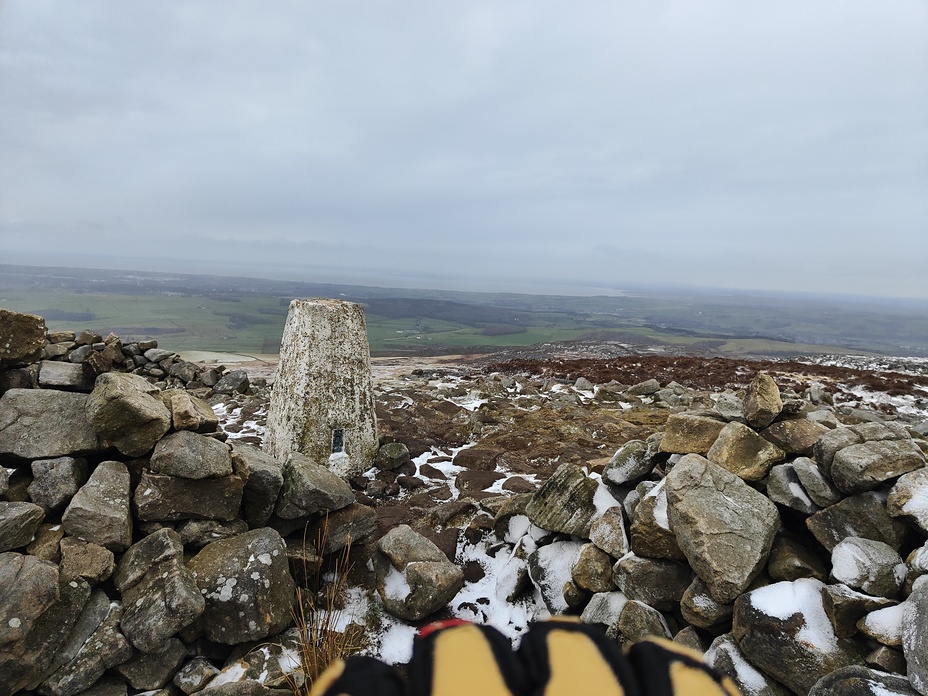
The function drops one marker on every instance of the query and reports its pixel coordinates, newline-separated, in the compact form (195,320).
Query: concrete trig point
(322,401)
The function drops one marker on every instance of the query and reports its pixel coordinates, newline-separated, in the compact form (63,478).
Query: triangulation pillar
(322,400)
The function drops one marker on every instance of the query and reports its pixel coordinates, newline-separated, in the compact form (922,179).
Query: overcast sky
(500,144)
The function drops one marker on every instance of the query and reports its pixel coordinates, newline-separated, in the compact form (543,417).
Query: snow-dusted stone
(46,423)
(783,487)
(414,577)
(608,532)
(171,498)
(822,491)
(54,374)
(265,479)
(603,608)
(127,411)
(865,466)
(55,481)
(723,526)
(22,337)
(149,671)
(99,511)
(869,566)
(18,524)
(638,621)
(657,582)
(189,412)
(82,559)
(323,398)
(188,455)
(699,609)
(549,568)
(309,489)
(4,479)
(861,515)
(726,657)
(744,453)
(650,531)
(247,586)
(686,433)
(566,502)
(629,464)
(884,625)
(273,664)
(87,654)
(391,456)
(915,635)
(513,579)
(917,561)
(845,607)
(158,592)
(762,402)
(791,559)
(908,498)
(509,519)
(857,680)
(783,630)
(795,436)
(38,607)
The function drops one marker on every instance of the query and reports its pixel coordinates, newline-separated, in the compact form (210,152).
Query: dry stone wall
(138,548)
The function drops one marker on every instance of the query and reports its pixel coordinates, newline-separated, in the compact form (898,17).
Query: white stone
(322,401)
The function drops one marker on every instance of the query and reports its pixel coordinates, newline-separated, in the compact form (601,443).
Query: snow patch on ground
(484,601)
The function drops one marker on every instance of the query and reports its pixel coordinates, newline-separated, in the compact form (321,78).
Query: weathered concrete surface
(323,385)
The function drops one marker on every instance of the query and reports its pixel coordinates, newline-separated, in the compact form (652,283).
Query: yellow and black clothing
(555,658)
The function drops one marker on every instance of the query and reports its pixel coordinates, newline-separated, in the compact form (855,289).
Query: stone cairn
(137,548)
(139,553)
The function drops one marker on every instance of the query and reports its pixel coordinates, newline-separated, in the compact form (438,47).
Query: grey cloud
(766,145)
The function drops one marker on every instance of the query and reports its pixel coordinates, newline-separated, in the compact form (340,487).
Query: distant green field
(254,324)
(178,322)
(247,315)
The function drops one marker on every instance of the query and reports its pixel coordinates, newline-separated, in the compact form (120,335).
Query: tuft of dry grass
(317,613)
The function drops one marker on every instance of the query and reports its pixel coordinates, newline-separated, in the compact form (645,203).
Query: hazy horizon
(526,147)
(417,284)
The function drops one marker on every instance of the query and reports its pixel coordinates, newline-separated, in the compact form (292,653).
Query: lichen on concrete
(323,384)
